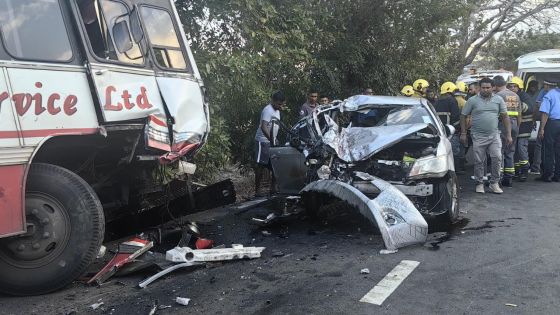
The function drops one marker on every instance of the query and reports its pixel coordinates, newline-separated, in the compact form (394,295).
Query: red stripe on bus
(46,132)
(11,199)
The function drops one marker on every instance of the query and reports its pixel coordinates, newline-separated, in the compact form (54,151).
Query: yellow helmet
(420,84)
(407,90)
(462,86)
(448,87)
(517,81)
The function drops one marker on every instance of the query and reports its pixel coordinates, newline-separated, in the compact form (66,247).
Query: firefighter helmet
(517,81)
(420,84)
(462,86)
(448,87)
(407,90)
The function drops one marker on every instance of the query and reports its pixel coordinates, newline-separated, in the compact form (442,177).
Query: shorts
(262,153)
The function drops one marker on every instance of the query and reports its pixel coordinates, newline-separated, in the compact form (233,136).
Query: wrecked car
(389,157)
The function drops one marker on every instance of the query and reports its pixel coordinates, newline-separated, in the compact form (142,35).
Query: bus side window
(34,30)
(163,38)
(99,18)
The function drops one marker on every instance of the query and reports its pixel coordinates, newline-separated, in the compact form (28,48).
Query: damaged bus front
(389,157)
(102,110)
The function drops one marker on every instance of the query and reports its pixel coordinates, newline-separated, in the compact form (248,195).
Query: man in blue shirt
(550,132)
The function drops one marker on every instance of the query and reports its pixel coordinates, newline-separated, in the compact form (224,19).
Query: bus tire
(65,228)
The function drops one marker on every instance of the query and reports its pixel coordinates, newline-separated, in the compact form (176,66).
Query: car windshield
(391,115)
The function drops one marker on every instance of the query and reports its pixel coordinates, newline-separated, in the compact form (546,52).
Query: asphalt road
(501,258)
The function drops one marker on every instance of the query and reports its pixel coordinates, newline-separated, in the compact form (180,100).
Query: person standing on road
(324,100)
(449,113)
(537,96)
(312,101)
(550,132)
(513,104)
(474,88)
(486,110)
(522,150)
(266,135)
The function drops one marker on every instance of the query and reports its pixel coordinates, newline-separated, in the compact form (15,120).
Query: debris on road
(187,257)
(388,251)
(186,254)
(97,305)
(266,233)
(364,271)
(277,253)
(162,273)
(182,301)
(126,253)
(511,305)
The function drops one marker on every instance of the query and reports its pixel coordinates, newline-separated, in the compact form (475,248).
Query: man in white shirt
(265,135)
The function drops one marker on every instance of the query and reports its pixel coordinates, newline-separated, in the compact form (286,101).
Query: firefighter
(513,104)
(420,87)
(407,90)
(522,151)
(448,111)
(461,94)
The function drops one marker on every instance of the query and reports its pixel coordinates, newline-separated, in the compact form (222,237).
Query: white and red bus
(94,96)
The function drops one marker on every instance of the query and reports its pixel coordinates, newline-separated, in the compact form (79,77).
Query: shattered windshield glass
(386,115)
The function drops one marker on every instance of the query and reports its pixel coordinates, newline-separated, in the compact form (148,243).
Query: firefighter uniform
(522,151)
(448,111)
(513,105)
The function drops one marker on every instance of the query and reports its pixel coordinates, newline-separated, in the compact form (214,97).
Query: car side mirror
(449,130)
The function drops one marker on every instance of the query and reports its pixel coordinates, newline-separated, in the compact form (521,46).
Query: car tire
(65,228)
(447,199)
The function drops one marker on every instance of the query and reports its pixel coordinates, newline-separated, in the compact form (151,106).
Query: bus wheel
(65,227)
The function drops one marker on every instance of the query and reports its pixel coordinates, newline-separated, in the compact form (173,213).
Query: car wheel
(65,227)
(446,195)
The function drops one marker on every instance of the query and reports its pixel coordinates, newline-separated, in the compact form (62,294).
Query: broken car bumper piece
(186,254)
(391,211)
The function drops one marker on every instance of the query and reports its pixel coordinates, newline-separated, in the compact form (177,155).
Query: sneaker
(495,188)
(534,172)
(480,188)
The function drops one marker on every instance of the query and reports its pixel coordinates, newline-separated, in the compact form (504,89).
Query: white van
(94,96)
(539,66)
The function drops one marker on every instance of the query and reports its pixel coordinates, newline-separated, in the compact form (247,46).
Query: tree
(503,51)
(482,20)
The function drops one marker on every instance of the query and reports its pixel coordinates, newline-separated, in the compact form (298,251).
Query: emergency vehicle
(95,96)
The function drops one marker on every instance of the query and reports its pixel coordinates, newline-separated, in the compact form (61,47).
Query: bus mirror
(121,35)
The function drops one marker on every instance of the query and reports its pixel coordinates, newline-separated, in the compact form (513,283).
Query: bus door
(123,79)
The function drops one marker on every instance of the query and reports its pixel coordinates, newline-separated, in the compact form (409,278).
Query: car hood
(360,143)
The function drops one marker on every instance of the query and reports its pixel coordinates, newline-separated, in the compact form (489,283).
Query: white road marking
(390,283)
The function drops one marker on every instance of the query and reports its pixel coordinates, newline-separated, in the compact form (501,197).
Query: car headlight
(436,165)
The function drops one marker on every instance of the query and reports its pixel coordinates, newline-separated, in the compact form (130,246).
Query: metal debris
(364,271)
(182,301)
(162,273)
(186,254)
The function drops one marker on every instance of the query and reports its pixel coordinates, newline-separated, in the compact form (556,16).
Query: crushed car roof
(359,101)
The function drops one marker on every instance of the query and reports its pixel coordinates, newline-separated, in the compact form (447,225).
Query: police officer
(513,105)
(448,111)
(522,151)
(550,132)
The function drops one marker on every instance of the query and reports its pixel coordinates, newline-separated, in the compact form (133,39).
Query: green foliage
(503,52)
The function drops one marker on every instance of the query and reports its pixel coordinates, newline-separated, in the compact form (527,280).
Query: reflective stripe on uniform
(513,113)
(524,135)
